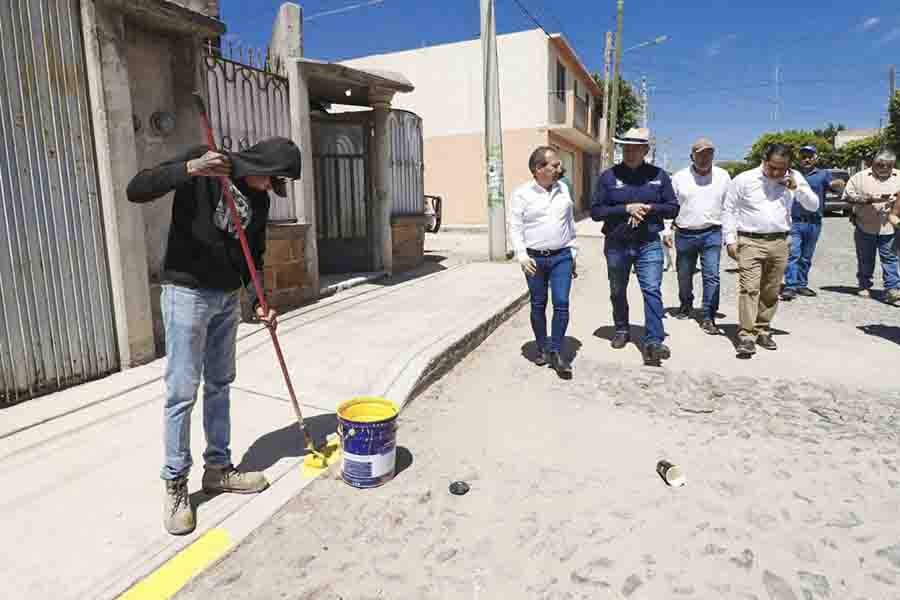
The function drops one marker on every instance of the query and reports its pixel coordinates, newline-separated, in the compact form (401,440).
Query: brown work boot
(178,516)
(218,479)
(893,297)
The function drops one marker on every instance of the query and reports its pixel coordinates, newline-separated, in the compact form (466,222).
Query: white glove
(529,266)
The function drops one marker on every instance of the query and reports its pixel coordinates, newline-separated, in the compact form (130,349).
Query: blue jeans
(804,237)
(647,260)
(553,272)
(708,246)
(867,245)
(201,333)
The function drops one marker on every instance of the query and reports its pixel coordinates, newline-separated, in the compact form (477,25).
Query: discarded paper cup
(670,473)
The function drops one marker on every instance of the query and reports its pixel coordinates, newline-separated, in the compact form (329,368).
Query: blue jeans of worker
(867,245)
(554,273)
(647,260)
(707,245)
(201,333)
(804,237)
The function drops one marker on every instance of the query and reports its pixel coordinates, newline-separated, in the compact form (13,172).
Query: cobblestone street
(792,484)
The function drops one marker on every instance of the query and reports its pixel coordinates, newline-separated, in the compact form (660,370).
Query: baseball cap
(809,148)
(702,144)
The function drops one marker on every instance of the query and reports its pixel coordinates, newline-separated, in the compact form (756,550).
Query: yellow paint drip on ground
(313,467)
(173,575)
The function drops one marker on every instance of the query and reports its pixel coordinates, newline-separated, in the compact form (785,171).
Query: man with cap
(756,222)
(806,225)
(700,190)
(871,193)
(203,272)
(632,199)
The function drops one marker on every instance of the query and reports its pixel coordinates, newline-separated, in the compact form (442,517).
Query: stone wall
(288,283)
(408,241)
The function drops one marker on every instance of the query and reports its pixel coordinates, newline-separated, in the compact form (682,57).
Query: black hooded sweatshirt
(200,253)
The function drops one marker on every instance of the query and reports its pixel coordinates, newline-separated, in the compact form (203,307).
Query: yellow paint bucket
(367,428)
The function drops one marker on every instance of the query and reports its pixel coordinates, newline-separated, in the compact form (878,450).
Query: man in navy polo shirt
(806,226)
(632,199)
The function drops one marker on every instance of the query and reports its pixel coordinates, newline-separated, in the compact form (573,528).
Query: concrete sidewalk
(82,503)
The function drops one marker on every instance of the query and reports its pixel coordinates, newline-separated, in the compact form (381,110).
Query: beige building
(547,97)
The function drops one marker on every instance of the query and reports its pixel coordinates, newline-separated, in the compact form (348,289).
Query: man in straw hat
(632,199)
(700,190)
(756,221)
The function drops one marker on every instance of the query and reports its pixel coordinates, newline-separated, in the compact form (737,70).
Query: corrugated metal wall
(56,320)
(407,165)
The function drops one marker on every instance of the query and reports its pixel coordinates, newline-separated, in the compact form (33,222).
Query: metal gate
(56,318)
(248,102)
(342,195)
(407,164)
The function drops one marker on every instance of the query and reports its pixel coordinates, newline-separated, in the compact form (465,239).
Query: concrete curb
(163,578)
(331,290)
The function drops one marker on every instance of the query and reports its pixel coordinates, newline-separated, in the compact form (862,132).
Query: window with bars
(560,81)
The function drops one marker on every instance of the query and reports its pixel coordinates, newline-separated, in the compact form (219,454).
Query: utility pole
(607,59)
(645,102)
(777,90)
(614,101)
(493,134)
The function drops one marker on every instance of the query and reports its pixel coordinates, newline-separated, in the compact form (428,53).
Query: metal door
(407,164)
(342,194)
(56,318)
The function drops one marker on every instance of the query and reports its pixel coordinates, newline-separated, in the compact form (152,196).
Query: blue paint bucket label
(367,428)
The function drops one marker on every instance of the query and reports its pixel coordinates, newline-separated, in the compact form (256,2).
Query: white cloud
(869,23)
(890,36)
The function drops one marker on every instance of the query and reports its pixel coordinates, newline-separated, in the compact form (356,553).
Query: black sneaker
(805,291)
(709,327)
(746,349)
(559,364)
(541,359)
(766,341)
(620,340)
(788,294)
(683,313)
(654,353)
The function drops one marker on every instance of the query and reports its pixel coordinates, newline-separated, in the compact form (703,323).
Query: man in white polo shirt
(700,190)
(542,231)
(756,221)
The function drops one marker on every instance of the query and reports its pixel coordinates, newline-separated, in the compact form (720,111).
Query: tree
(891,133)
(794,139)
(630,106)
(857,152)
(735,167)
(829,132)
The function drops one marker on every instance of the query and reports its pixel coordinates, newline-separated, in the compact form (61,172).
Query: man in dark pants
(633,198)
(806,226)
(203,271)
(542,231)
(700,190)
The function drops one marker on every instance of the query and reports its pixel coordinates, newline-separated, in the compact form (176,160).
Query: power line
(531,16)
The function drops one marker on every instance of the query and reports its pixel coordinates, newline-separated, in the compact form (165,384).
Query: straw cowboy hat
(634,136)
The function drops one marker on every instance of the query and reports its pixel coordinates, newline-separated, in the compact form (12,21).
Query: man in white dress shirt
(700,190)
(542,229)
(756,221)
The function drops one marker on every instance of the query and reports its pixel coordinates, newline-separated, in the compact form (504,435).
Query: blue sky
(714,77)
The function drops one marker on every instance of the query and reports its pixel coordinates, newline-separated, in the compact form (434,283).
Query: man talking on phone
(871,193)
(756,222)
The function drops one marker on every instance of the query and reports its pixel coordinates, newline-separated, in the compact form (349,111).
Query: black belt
(778,235)
(697,231)
(813,220)
(544,252)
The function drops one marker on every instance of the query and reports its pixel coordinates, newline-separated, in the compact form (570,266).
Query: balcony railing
(557,108)
(581,114)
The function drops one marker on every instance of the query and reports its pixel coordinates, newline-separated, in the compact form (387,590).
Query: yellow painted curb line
(165,582)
